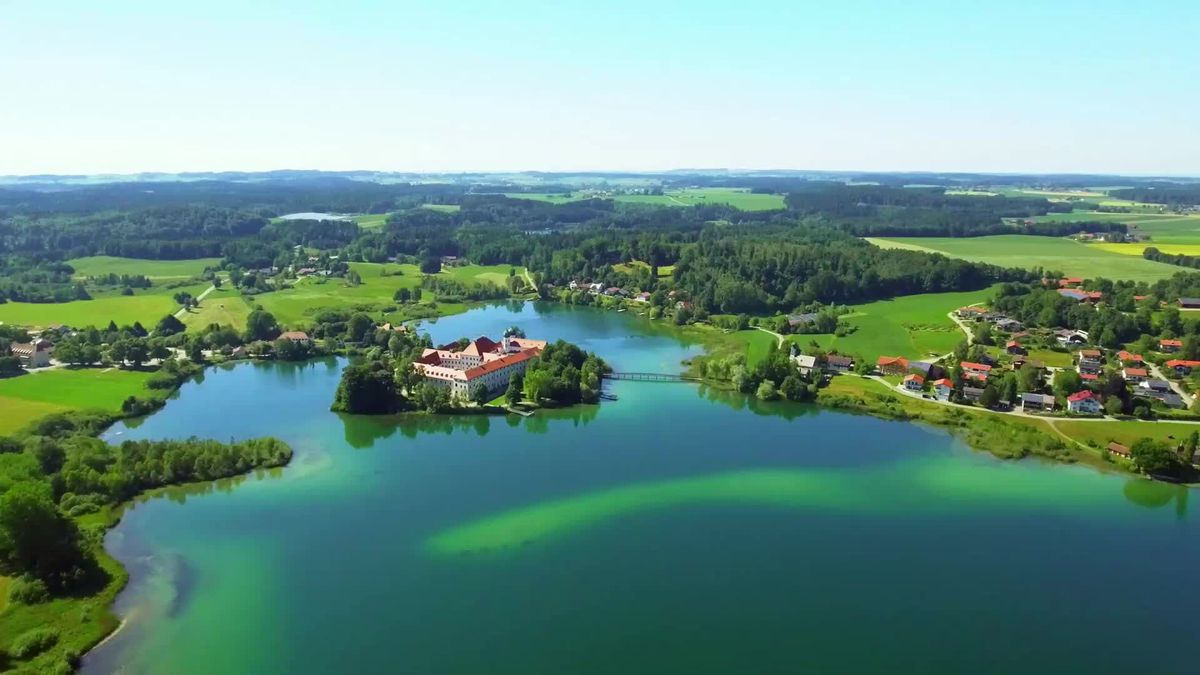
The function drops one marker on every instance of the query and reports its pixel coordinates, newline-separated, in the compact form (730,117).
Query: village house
(972,394)
(976,371)
(805,363)
(1089,379)
(797,320)
(971,312)
(1130,359)
(34,354)
(1069,282)
(482,361)
(644,296)
(1155,385)
(1189,303)
(1170,346)
(1031,402)
(296,336)
(914,382)
(924,367)
(1090,367)
(892,365)
(1009,325)
(1083,403)
(1134,375)
(839,364)
(1182,367)
(1072,338)
(1015,348)
(943,389)
(1119,450)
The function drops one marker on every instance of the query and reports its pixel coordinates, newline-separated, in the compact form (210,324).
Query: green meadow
(148,306)
(371,221)
(1029,252)
(1169,228)
(224,306)
(28,397)
(94,266)
(294,307)
(915,326)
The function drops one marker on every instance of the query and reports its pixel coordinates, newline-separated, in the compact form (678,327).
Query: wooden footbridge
(650,377)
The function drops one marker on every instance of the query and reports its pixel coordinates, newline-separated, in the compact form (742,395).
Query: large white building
(483,361)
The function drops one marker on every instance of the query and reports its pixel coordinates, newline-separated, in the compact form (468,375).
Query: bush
(33,642)
(28,590)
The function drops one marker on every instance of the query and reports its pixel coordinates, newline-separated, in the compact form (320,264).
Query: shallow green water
(676,530)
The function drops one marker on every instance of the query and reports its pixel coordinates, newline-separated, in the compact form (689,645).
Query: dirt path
(778,337)
(181,313)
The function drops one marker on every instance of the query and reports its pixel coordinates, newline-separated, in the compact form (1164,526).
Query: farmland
(295,306)
(737,198)
(913,326)
(28,397)
(154,269)
(371,221)
(1030,252)
(146,306)
(1162,228)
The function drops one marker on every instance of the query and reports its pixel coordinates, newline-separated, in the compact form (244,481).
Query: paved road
(1188,399)
(180,314)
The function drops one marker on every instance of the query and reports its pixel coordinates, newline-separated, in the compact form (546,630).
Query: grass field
(737,198)
(442,208)
(628,268)
(1136,249)
(224,306)
(1026,251)
(915,326)
(28,397)
(155,269)
(1125,432)
(295,306)
(371,221)
(1169,228)
(147,306)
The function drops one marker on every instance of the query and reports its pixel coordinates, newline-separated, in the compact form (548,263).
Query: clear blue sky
(1052,85)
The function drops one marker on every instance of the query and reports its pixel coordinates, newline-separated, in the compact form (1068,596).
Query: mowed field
(28,397)
(371,221)
(737,198)
(1028,252)
(914,326)
(94,266)
(147,306)
(295,306)
(224,306)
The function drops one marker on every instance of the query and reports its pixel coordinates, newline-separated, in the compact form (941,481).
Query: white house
(1084,403)
(34,354)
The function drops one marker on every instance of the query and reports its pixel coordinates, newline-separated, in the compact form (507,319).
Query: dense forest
(1172,194)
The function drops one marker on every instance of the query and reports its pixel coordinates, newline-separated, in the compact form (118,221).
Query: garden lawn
(914,326)
(147,306)
(1125,432)
(154,269)
(1070,257)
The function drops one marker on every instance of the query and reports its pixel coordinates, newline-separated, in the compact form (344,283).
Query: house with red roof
(1170,346)
(1013,347)
(1084,403)
(1182,367)
(1134,375)
(943,389)
(914,382)
(483,361)
(976,371)
(1069,282)
(892,365)
(1119,450)
(1129,358)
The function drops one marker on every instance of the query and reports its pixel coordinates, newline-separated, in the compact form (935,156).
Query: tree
(479,394)
(537,384)
(990,397)
(515,387)
(366,389)
(1188,449)
(1067,382)
(261,325)
(184,299)
(766,391)
(1154,457)
(431,264)
(358,326)
(1029,377)
(37,539)
(1114,405)
(169,325)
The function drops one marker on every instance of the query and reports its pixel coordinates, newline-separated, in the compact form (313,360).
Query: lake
(675,530)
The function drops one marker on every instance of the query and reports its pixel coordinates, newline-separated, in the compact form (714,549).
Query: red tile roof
(892,360)
(1081,396)
(943,382)
(1118,449)
(1175,363)
(1129,356)
(1136,372)
(970,365)
(497,364)
(1170,343)
(1089,376)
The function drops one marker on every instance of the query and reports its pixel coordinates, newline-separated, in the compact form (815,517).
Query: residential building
(1069,282)
(924,367)
(1155,385)
(976,371)
(1134,375)
(914,382)
(892,365)
(839,364)
(1009,325)
(1015,348)
(296,336)
(1129,358)
(1170,346)
(943,389)
(805,363)
(1090,379)
(1031,402)
(34,354)
(797,320)
(482,361)
(970,312)
(972,394)
(1084,403)
(1118,450)
(1189,303)
(1072,338)
(1182,367)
